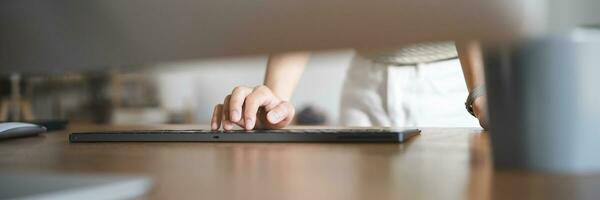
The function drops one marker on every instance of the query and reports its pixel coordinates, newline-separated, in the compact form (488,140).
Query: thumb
(281,112)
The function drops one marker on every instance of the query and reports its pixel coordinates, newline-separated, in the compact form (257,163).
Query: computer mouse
(19,129)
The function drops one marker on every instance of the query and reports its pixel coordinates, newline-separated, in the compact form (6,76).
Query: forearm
(284,71)
(471,60)
(472,63)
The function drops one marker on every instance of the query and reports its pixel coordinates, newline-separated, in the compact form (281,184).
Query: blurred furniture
(442,163)
(134,99)
(112,97)
(99,34)
(15,107)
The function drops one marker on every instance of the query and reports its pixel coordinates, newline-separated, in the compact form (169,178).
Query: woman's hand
(252,108)
(481,111)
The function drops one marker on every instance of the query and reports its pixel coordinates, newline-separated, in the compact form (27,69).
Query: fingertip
(216,118)
(236,116)
(274,117)
(227,125)
(249,124)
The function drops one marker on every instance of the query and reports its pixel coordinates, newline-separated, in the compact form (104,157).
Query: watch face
(469,107)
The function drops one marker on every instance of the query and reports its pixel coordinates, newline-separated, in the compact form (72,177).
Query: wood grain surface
(441,163)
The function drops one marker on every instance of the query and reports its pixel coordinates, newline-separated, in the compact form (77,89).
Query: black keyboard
(278,135)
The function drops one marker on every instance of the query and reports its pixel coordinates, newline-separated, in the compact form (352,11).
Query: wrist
(472,99)
(279,93)
(479,106)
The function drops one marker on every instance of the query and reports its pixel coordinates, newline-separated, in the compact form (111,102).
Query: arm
(264,106)
(283,73)
(471,61)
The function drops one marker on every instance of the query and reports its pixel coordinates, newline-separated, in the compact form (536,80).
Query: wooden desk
(448,163)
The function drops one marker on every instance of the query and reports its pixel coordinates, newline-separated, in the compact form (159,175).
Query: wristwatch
(477,92)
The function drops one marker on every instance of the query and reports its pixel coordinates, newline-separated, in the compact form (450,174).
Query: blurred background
(182,92)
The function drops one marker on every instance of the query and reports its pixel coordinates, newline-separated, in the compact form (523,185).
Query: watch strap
(477,92)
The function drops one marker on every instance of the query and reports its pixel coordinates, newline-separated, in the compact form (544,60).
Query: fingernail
(213,126)
(273,116)
(235,116)
(249,124)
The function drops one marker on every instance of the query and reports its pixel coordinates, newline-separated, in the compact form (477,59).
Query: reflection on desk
(442,163)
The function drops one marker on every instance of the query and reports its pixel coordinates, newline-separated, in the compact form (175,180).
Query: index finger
(236,102)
